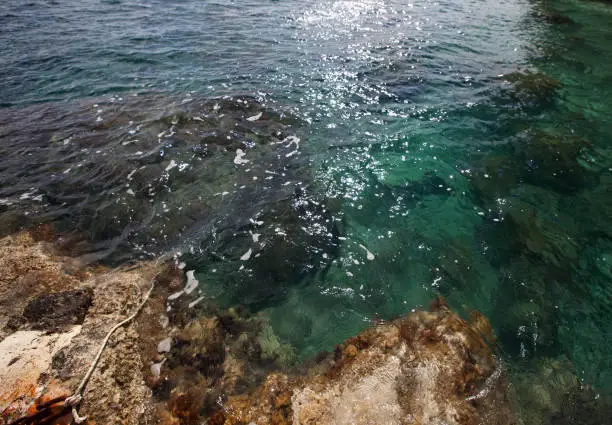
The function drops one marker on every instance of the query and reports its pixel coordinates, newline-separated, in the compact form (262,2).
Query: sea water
(429,148)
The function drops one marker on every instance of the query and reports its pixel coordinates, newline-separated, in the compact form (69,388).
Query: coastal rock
(28,270)
(24,357)
(49,311)
(228,367)
(68,311)
(425,368)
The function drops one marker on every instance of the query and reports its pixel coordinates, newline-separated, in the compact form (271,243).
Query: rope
(74,400)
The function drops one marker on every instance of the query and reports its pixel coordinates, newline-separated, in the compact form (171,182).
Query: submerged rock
(553,160)
(532,87)
(157,174)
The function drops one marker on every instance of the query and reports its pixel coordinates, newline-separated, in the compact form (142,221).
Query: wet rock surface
(427,367)
(35,363)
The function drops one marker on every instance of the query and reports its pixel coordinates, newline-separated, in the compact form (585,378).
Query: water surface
(454,148)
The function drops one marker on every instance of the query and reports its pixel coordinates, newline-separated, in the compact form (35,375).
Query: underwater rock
(560,162)
(531,87)
(583,406)
(594,207)
(273,350)
(200,345)
(159,174)
(499,175)
(541,388)
(115,175)
(253,262)
(552,160)
(427,367)
(528,320)
(541,228)
(553,17)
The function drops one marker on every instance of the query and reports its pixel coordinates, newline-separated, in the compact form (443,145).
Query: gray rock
(164,345)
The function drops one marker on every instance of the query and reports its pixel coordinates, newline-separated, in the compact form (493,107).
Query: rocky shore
(176,366)
(187,362)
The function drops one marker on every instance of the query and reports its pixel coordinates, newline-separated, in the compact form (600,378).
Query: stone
(48,350)
(425,368)
(51,311)
(164,345)
(25,357)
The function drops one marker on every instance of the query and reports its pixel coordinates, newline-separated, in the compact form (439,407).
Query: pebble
(164,345)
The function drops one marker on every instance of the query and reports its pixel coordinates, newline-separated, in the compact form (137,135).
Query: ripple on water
(463,145)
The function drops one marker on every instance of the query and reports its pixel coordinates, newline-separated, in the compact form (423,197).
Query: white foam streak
(255,117)
(239,159)
(369,255)
(246,255)
(192,282)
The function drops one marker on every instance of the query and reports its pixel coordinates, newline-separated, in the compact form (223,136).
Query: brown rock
(350,351)
(283,400)
(40,289)
(425,368)
(58,309)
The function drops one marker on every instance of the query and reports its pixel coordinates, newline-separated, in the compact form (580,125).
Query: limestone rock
(57,314)
(425,368)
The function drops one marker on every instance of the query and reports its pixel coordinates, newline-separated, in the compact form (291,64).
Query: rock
(25,359)
(148,146)
(273,349)
(554,17)
(553,160)
(583,406)
(201,345)
(542,388)
(185,404)
(27,270)
(532,87)
(54,293)
(425,368)
(350,351)
(164,345)
(52,311)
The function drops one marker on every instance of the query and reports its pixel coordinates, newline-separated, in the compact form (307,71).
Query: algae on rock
(427,367)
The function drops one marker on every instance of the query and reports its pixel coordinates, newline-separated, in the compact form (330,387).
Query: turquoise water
(445,148)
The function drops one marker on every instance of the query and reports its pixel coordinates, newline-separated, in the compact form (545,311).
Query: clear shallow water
(425,165)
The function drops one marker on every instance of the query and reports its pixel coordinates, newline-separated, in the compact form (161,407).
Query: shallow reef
(223,181)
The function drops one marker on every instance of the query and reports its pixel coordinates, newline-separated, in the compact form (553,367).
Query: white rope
(76,398)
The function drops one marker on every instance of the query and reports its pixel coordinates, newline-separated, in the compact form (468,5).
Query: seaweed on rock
(531,87)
